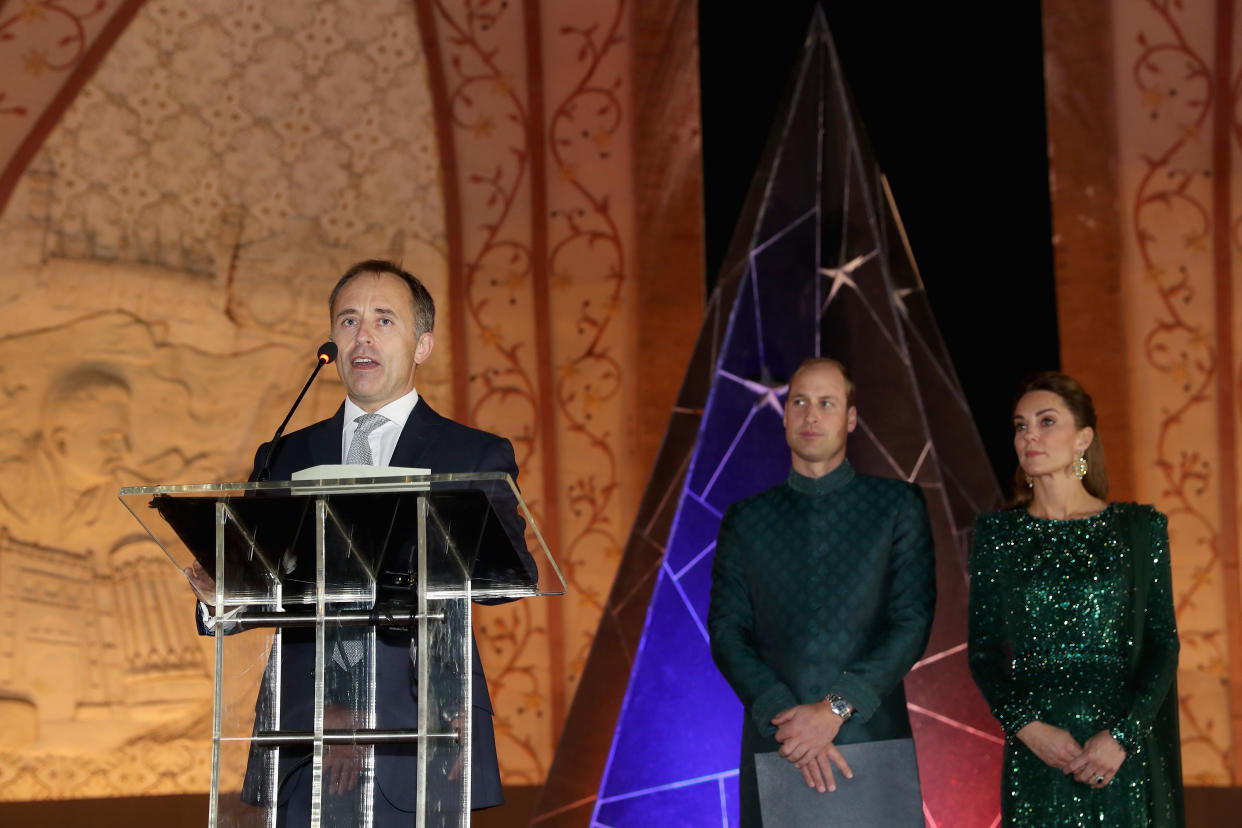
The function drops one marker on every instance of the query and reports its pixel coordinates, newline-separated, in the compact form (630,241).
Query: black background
(952,100)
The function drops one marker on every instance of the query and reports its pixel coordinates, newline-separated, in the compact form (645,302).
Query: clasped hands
(1094,764)
(806,733)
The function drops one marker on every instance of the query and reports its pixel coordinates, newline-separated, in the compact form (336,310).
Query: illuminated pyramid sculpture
(818,266)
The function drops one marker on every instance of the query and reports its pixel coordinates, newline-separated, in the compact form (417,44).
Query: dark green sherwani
(820,586)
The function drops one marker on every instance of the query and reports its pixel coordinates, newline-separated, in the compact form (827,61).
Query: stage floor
(1204,806)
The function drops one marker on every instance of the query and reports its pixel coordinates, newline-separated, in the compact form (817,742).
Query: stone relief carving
(165,261)
(98,652)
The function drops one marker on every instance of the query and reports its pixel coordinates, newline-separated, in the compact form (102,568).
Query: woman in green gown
(1072,634)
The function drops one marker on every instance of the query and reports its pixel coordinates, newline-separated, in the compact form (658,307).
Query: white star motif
(899,299)
(767,395)
(843,275)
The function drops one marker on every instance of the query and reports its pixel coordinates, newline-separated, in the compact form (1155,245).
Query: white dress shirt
(383,439)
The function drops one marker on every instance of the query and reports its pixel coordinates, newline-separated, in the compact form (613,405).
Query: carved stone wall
(48,48)
(1147,171)
(535,110)
(169,238)
(167,254)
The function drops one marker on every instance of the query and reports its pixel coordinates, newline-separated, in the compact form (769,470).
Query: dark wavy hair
(1078,401)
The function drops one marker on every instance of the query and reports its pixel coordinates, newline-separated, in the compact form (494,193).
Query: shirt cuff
(775,699)
(1128,734)
(1014,717)
(208,624)
(858,693)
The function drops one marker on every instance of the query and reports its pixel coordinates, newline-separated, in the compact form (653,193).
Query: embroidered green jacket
(820,586)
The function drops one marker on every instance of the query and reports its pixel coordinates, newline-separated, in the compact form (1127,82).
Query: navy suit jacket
(443,446)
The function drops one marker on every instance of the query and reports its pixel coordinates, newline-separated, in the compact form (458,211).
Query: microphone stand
(327,353)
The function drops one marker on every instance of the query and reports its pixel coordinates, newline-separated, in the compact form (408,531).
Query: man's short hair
(424,305)
(813,362)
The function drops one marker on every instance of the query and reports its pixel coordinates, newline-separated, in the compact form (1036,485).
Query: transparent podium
(341,612)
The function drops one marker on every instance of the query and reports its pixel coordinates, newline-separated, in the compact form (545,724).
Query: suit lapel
(414,445)
(326,449)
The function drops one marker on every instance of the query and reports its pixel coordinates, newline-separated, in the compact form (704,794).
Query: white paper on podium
(351,471)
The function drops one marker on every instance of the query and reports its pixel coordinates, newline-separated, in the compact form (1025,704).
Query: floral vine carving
(583,127)
(476,70)
(1169,69)
(585,266)
(476,74)
(60,55)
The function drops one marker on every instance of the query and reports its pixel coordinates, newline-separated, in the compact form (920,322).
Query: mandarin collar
(830,482)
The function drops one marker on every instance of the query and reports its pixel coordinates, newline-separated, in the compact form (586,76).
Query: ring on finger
(1099,780)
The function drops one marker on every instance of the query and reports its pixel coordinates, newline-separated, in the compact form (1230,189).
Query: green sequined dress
(1071,623)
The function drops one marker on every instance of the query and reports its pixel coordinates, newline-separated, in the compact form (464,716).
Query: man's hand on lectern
(342,764)
(202,583)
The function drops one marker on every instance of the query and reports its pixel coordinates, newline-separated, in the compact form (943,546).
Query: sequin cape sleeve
(730,619)
(1155,664)
(988,650)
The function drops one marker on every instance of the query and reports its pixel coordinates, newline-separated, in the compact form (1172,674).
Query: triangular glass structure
(819,266)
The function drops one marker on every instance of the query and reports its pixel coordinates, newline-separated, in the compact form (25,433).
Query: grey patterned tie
(360,448)
(348,651)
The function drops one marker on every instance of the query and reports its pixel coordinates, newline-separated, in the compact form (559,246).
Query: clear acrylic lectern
(343,648)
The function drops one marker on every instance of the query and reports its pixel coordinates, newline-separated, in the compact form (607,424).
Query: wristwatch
(840,706)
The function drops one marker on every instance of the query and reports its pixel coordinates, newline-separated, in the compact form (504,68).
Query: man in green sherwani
(823,590)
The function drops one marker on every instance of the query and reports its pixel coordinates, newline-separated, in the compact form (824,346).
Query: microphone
(327,353)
